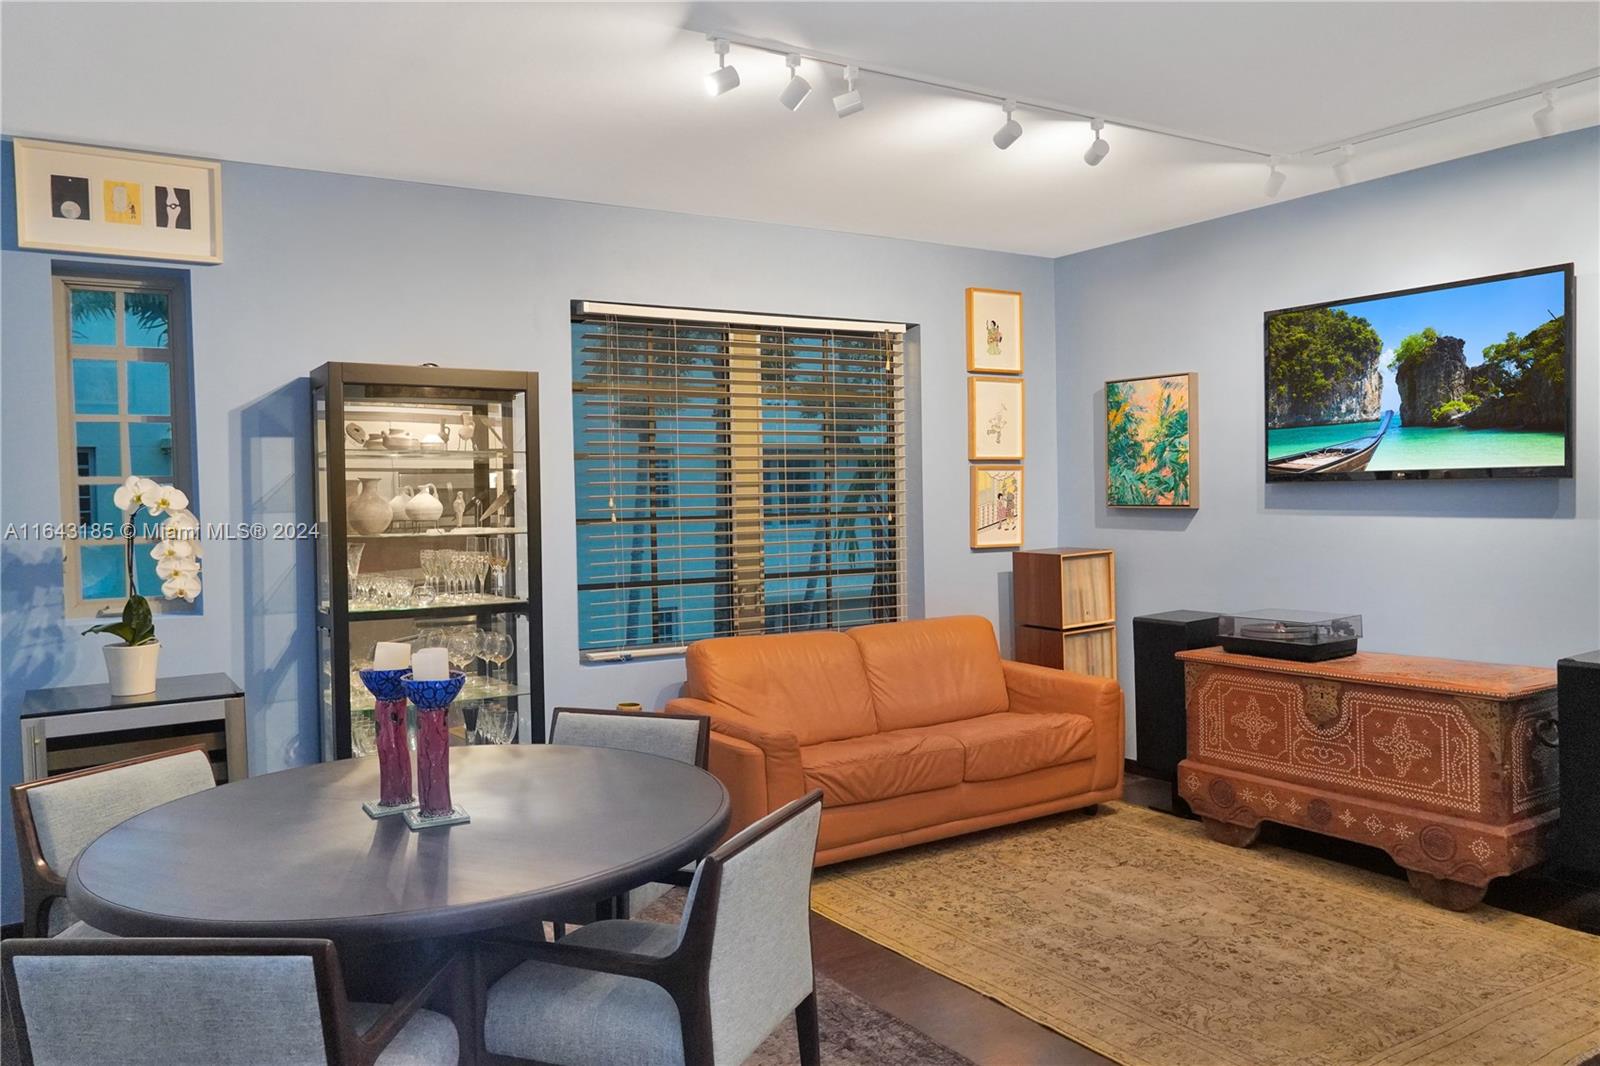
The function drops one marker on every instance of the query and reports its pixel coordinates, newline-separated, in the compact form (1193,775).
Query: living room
(624,446)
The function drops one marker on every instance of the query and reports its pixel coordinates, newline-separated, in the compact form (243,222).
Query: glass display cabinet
(427,508)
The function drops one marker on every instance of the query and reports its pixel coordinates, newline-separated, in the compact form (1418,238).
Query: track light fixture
(794,94)
(1100,148)
(1007,135)
(1544,119)
(1275,178)
(1341,166)
(849,102)
(724,77)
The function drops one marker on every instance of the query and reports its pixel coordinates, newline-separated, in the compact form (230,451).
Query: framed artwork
(104,201)
(1152,445)
(996,506)
(994,331)
(994,418)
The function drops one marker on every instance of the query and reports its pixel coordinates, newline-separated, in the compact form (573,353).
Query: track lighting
(1544,119)
(1100,148)
(724,77)
(1341,166)
(1007,135)
(1275,178)
(849,102)
(794,94)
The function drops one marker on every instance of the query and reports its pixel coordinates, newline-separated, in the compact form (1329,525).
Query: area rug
(1132,933)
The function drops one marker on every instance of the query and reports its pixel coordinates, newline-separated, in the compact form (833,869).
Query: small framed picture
(105,201)
(1153,441)
(994,331)
(996,506)
(994,418)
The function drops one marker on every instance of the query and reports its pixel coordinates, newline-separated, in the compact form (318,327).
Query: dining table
(553,829)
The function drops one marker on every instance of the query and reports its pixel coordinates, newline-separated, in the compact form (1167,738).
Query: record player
(1304,636)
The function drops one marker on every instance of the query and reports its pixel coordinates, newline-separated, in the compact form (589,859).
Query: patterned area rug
(1132,933)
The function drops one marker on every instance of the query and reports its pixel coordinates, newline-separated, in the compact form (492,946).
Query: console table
(1445,765)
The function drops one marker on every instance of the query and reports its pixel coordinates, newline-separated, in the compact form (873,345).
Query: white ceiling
(603,102)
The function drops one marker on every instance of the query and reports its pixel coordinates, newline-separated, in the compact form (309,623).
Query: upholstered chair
(683,737)
(57,817)
(210,1002)
(705,991)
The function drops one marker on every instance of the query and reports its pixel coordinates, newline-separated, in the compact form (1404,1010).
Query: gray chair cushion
(652,734)
(428,1039)
(575,1017)
(84,931)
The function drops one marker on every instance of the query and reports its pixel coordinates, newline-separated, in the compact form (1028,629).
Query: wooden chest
(1448,766)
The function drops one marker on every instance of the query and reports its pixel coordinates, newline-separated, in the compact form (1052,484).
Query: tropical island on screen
(1458,378)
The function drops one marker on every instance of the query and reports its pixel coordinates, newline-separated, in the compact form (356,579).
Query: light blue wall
(325,267)
(1504,571)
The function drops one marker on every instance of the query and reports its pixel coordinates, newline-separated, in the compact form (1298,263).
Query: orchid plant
(176,552)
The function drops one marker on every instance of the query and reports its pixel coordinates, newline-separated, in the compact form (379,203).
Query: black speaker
(1159,729)
(1578,723)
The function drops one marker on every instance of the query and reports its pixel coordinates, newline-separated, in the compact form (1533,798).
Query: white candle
(391,655)
(430,664)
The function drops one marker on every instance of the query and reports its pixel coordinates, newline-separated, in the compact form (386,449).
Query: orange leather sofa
(914,731)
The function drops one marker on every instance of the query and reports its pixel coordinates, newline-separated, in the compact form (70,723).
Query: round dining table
(292,854)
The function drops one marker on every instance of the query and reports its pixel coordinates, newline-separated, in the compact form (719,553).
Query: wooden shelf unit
(1065,608)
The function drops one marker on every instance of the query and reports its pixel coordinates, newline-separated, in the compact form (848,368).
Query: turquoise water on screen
(1419,448)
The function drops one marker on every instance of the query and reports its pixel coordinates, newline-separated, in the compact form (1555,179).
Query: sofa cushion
(881,765)
(1008,744)
(931,671)
(808,684)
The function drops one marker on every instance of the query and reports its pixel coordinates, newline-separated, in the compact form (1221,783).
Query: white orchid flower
(179,564)
(170,547)
(135,493)
(164,498)
(186,585)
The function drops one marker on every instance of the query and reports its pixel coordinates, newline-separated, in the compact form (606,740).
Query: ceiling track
(1051,107)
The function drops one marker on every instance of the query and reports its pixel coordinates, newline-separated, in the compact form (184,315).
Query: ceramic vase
(131,669)
(433,699)
(368,512)
(425,506)
(394,752)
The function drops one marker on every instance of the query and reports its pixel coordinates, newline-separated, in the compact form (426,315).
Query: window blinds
(735,475)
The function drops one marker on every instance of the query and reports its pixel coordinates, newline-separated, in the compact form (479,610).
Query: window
(122,391)
(735,474)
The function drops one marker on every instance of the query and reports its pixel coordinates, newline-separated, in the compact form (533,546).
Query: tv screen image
(1468,379)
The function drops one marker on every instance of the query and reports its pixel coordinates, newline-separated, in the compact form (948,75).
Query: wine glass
(352,558)
(461,646)
(363,733)
(497,722)
(499,559)
(495,647)
(480,566)
(429,558)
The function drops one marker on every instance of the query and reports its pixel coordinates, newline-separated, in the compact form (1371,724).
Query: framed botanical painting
(994,418)
(996,506)
(104,201)
(994,331)
(1152,445)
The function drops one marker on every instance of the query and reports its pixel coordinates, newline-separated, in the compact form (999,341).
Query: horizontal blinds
(735,476)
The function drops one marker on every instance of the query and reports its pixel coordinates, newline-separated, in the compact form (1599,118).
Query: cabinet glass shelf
(478,689)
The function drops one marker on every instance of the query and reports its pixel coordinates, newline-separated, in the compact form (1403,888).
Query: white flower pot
(132,670)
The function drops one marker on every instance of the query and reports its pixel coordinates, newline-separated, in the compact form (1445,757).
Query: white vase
(132,670)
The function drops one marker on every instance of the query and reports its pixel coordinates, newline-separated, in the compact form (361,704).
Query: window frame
(178,357)
(743,497)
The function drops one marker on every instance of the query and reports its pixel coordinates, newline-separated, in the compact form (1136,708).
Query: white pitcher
(425,506)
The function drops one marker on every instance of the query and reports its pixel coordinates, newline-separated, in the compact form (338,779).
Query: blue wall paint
(1506,571)
(325,267)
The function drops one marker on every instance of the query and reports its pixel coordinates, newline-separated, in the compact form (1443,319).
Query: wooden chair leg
(805,1027)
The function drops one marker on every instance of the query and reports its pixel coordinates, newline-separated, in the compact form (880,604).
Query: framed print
(1152,445)
(104,201)
(994,331)
(996,506)
(994,418)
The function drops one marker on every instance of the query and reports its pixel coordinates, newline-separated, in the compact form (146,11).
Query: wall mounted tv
(1467,379)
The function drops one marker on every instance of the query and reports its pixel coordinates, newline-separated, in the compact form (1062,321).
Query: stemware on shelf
(352,557)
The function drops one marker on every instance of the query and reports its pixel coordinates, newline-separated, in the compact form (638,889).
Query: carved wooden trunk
(1443,764)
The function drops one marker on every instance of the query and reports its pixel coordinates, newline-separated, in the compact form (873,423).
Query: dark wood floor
(973,1025)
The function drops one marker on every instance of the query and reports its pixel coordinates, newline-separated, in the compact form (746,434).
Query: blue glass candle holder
(394,754)
(432,700)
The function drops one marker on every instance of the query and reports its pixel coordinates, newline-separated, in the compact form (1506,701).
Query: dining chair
(210,1002)
(57,817)
(684,737)
(705,991)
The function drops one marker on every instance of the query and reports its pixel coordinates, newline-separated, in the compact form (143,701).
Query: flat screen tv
(1470,379)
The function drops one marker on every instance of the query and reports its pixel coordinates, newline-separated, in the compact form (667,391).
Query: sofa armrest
(1035,689)
(759,768)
